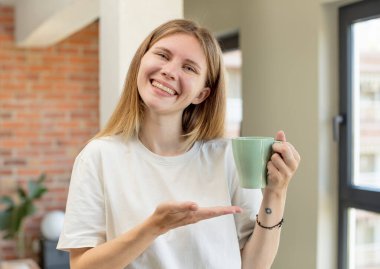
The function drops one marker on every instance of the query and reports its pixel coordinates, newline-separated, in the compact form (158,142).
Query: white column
(123,26)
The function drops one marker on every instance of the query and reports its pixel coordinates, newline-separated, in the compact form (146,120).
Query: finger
(286,153)
(212,212)
(175,207)
(185,206)
(280,136)
(220,210)
(280,165)
(272,170)
(295,152)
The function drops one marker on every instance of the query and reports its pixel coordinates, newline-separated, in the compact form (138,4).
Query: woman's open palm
(171,215)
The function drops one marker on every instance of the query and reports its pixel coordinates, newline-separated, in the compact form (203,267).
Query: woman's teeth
(162,87)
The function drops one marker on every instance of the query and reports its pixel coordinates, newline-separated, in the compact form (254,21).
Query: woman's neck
(163,135)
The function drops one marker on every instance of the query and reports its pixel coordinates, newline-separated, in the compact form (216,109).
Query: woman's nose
(169,70)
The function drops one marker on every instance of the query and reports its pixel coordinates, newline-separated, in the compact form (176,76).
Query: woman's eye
(190,68)
(162,55)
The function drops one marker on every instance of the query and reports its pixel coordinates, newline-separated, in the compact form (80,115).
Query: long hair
(203,121)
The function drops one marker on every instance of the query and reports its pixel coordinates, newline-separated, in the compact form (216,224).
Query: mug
(251,155)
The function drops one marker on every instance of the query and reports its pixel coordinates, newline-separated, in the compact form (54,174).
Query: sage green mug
(251,155)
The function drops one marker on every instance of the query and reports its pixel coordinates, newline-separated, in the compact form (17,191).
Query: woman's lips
(163,87)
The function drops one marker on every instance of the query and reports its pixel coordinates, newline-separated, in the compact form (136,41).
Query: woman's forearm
(261,248)
(116,253)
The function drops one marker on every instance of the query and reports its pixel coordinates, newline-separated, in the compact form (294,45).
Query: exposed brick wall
(48,110)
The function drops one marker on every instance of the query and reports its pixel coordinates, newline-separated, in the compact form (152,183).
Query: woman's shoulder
(217,142)
(217,145)
(99,145)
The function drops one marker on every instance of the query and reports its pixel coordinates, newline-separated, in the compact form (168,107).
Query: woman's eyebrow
(194,63)
(187,60)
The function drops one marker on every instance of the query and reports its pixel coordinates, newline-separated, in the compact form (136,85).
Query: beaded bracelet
(269,227)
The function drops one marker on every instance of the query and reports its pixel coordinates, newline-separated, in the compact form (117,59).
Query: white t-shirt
(117,184)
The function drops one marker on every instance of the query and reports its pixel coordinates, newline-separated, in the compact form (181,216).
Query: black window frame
(229,41)
(350,196)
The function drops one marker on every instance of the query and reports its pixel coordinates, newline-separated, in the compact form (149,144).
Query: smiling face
(172,75)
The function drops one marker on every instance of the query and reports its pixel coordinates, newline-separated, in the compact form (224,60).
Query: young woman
(157,187)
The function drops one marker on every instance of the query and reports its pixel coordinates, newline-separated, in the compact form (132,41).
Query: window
(232,61)
(359,139)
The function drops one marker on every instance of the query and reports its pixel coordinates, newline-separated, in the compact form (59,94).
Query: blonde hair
(204,121)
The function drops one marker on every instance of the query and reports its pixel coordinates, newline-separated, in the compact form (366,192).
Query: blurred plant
(16,210)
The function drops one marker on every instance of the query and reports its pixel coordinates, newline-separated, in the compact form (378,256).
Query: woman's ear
(205,92)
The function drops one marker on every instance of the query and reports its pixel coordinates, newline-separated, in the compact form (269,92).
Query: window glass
(364,239)
(232,62)
(366,103)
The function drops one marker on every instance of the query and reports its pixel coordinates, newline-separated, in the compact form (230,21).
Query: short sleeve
(84,224)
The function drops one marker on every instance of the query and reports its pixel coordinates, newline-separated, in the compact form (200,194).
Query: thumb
(186,206)
(280,136)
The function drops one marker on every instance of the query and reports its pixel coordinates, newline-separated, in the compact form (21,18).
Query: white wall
(280,89)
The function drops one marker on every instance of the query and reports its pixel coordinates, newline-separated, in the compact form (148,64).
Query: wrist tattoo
(268,210)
